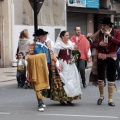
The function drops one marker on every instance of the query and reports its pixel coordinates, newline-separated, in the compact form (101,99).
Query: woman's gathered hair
(24,34)
(63,33)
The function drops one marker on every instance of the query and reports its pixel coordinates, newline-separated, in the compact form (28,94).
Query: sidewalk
(7,74)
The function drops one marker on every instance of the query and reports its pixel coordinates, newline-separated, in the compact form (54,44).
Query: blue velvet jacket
(42,48)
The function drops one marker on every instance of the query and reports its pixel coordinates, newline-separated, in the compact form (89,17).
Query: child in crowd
(21,70)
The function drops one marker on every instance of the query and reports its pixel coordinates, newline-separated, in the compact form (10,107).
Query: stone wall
(5,33)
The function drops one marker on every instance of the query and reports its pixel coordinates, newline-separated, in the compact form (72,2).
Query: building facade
(87,13)
(5,33)
(54,16)
(16,15)
(115,5)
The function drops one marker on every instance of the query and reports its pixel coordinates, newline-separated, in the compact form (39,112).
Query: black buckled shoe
(84,85)
(99,102)
(111,104)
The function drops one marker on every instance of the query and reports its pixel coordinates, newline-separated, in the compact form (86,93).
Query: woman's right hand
(59,68)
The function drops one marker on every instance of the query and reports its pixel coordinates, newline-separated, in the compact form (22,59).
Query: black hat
(106,20)
(40,32)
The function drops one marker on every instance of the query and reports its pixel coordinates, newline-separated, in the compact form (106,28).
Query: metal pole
(35,16)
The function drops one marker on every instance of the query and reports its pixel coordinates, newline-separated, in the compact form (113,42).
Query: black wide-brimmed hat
(40,32)
(106,20)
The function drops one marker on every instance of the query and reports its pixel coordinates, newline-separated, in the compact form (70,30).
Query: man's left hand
(108,33)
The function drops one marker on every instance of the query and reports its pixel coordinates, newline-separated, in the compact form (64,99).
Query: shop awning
(88,10)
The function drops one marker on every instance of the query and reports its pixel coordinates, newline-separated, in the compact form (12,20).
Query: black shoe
(18,85)
(111,104)
(84,85)
(63,103)
(99,102)
(26,85)
(70,103)
(21,85)
(118,78)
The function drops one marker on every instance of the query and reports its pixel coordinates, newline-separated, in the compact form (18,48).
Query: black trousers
(21,76)
(81,68)
(109,66)
(118,65)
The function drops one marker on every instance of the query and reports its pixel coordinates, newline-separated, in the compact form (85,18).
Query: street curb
(7,80)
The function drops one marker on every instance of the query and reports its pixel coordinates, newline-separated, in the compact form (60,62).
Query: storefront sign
(84,3)
(92,3)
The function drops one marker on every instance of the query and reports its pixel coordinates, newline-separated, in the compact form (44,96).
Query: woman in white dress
(70,89)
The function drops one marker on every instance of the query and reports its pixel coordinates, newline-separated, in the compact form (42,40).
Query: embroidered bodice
(65,54)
